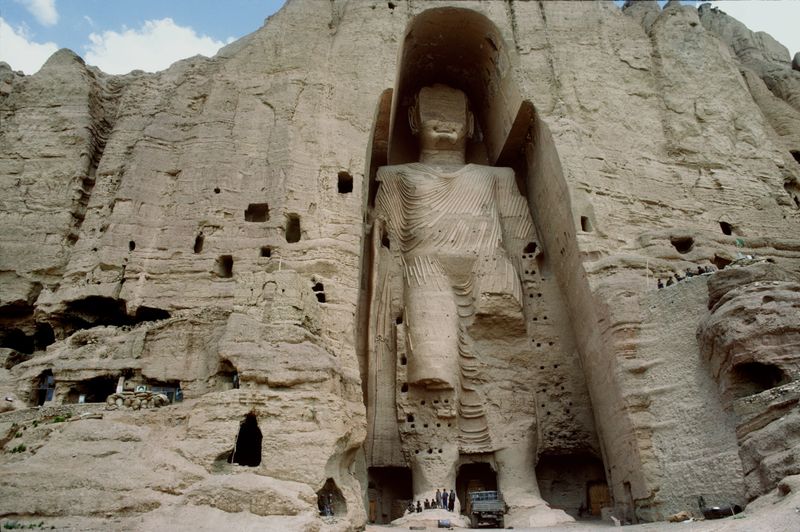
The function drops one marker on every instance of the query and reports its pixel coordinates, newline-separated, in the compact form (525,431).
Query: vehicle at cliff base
(377,250)
(486,509)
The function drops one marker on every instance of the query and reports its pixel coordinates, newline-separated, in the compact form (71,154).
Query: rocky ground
(777,511)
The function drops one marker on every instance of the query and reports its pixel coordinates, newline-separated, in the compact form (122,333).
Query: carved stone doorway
(389,493)
(574,483)
(94,390)
(474,477)
(45,387)
(247,451)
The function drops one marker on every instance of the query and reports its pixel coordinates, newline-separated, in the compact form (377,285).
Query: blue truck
(486,509)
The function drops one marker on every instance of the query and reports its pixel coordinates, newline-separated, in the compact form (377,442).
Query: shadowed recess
(247,451)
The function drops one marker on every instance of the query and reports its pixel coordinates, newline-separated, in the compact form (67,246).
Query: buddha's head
(441,118)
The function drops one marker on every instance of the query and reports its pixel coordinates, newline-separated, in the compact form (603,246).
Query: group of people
(442,500)
(688,273)
(325,504)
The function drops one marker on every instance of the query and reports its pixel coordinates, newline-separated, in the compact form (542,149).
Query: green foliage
(15,525)
(19,448)
(18,434)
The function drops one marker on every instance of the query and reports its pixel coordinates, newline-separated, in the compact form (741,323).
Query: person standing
(438,499)
(451,504)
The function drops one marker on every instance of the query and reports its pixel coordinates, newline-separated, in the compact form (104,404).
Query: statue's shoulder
(499,172)
(397,171)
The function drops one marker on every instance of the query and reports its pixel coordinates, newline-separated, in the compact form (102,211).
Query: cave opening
(293,232)
(17,340)
(150,314)
(330,499)
(170,388)
(720,262)
(793,189)
(224,266)
(682,244)
(95,390)
(43,336)
(16,325)
(726,228)
(247,449)
(266,251)
(389,492)
(586,224)
(257,212)
(478,476)
(344,183)
(227,376)
(751,378)
(92,311)
(319,291)
(575,483)
(198,243)
(45,387)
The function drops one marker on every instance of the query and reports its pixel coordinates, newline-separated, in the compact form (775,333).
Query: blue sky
(219,19)
(122,35)
(119,34)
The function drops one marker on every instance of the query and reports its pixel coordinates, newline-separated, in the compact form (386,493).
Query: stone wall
(188,224)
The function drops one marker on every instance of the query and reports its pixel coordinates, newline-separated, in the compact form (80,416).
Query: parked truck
(486,509)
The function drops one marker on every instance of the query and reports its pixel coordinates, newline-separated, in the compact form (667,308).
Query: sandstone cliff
(208,229)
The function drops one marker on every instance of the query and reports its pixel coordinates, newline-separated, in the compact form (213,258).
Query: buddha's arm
(390,201)
(515,218)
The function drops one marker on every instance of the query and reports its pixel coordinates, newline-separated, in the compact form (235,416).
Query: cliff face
(208,229)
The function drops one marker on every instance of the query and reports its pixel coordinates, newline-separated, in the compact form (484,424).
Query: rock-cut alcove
(464,50)
(330,500)
(247,450)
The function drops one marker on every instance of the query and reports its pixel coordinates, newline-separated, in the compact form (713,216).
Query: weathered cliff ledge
(207,229)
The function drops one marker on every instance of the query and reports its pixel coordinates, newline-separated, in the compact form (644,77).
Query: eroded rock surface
(751,337)
(206,232)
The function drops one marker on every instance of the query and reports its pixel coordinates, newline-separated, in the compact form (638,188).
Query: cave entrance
(793,189)
(474,477)
(752,378)
(389,492)
(720,262)
(247,450)
(573,483)
(94,390)
(227,377)
(330,500)
(46,387)
(172,389)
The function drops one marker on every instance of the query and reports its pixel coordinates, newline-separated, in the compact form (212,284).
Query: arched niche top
(464,49)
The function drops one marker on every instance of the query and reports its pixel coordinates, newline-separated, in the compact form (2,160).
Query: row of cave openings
(98,389)
(573,483)
(259,213)
(19,332)
(247,449)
